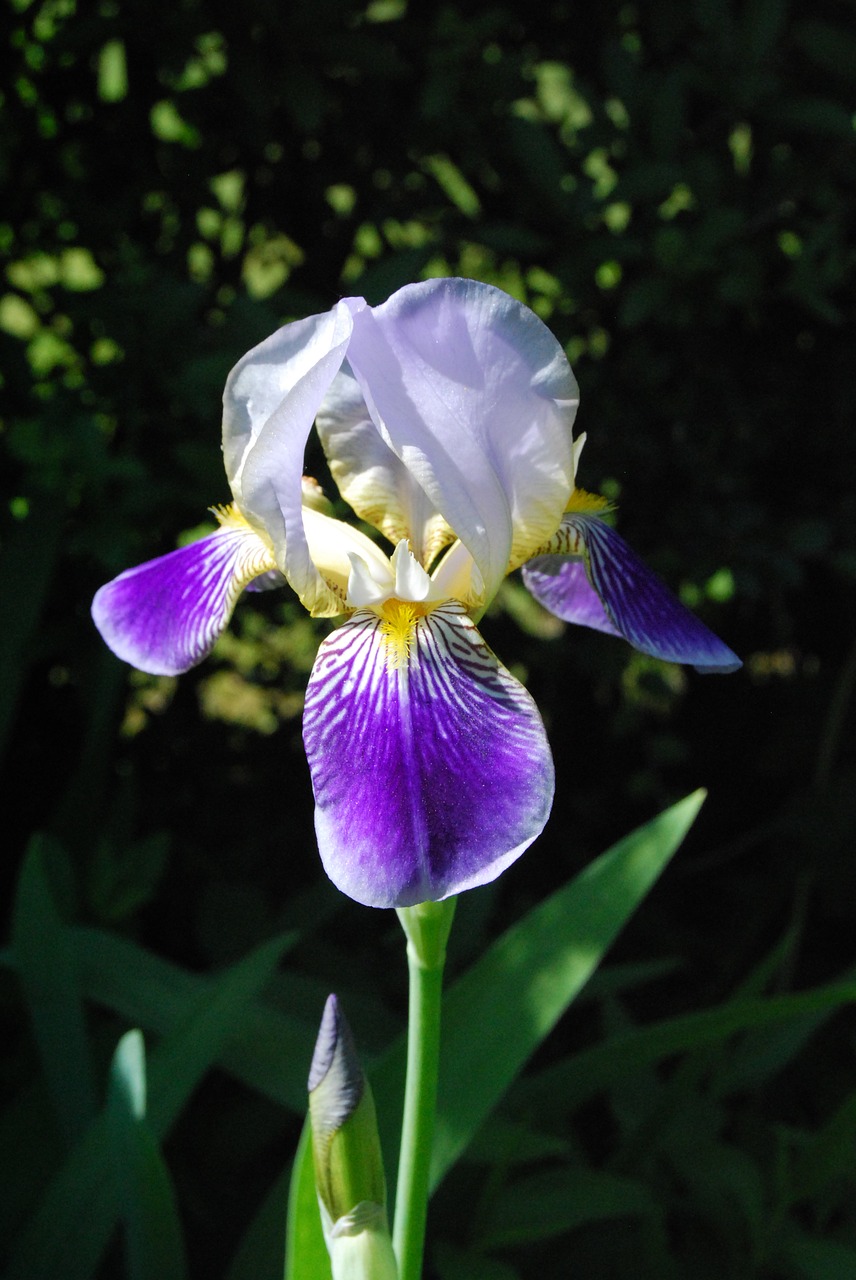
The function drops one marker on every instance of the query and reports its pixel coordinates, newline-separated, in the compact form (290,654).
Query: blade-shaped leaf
(547,1203)
(155,1248)
(267,1049)
(566,1085)
(306,1256)
(47,967)
(262,1246)
(818,1259)
(500,1011)
(70,1229)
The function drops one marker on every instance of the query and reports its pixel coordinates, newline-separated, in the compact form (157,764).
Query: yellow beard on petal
(581,500)
(398,630)
(229,517)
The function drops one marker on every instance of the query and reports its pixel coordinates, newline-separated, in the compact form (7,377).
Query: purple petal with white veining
(429,778)
(560,584)
(165,615)
(642,607)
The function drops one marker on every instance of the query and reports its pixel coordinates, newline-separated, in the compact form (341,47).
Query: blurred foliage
(671,187)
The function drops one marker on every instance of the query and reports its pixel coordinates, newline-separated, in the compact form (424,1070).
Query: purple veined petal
(429,761)
(476,397)
(643,609)
(165,615)
(371,478)
(269,405)
(560,584)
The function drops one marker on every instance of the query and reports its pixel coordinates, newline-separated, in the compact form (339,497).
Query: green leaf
(498,1014)
(267,1049)
(558,1090)
(813,1259)
(261,1249)
(548,1203)
(827,1157)
(70,1229)
(727,1182)
(47,967)
(500,1011)
(145,1192)
(306,1256)
(457,1264)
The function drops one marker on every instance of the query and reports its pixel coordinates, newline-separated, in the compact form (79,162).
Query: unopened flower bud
(349,1174)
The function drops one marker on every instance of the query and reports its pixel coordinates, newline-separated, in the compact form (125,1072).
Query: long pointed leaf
(47,967)
(69,1231)
(147,1201)
(500,1011)
(571,1082)
(262,1246)
(306,1256)
(269,1050)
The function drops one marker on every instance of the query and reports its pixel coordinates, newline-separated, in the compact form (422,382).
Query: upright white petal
(269,405)
(475,396)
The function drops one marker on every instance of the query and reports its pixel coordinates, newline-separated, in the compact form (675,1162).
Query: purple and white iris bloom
(445,415)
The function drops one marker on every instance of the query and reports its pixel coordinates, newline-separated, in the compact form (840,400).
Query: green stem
(427,927)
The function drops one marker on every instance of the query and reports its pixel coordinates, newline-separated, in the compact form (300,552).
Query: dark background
(671,187)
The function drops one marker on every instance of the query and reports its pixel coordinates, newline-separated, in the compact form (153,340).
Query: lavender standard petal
(476,397)
(429,778)
(165,615)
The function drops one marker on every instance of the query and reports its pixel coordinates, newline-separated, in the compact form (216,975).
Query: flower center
(398,629)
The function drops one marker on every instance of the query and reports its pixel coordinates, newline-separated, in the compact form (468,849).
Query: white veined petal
(458,577)
(367,584)
(411,580)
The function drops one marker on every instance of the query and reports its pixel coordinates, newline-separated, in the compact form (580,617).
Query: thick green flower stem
(427,928)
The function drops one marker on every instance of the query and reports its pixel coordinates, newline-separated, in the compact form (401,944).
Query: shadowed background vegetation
(670,186)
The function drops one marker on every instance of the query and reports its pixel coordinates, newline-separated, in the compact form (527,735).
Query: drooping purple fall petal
(429,761)
(165,615)
(639,604)
(560,584)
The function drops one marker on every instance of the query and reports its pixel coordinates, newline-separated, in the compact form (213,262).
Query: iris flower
(445,415)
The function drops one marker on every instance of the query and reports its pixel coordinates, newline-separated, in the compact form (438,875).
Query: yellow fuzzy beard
(398,630)
(229,517)
(582,500)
